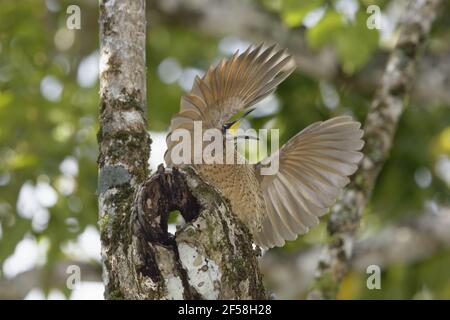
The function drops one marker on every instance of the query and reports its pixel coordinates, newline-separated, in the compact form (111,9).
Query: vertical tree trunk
(379,130)
(211,257)
(123,139)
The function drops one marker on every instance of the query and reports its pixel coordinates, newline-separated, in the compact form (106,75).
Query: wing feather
(313,169)
(233,85)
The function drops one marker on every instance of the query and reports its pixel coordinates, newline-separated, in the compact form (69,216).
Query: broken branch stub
(211,257)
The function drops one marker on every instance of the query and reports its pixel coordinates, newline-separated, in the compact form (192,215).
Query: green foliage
(293,11)
(333,28)
(419,280)
(37,134)
(396,193)
(354,42)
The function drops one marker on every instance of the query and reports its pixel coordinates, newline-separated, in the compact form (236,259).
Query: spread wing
(233,85)
(313,169)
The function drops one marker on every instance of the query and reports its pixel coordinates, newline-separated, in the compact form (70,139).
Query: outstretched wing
(233,85)
(313,169)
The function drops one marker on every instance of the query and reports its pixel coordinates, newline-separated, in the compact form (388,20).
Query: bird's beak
(234,125)
(231,128)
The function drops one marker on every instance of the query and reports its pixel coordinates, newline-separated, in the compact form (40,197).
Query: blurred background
(48,126)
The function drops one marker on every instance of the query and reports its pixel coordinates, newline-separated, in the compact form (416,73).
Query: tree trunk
(211,257)
(123,140)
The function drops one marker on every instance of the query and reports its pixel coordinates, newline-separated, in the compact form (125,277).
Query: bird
(313,166)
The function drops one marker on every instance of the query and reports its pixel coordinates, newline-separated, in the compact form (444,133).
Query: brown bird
(314,165)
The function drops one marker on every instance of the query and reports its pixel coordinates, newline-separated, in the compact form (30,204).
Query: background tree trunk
(379,130)
(211,257)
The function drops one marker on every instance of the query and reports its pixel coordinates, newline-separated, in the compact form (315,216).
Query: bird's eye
(227,125)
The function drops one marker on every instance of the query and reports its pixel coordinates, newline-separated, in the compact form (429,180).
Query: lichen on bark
(210,257)
(123,139)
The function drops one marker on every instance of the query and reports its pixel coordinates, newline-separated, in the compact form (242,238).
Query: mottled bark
(211,257)
(123,139)
(379,128)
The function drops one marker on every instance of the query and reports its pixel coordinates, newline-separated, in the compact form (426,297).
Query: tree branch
(380,126)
